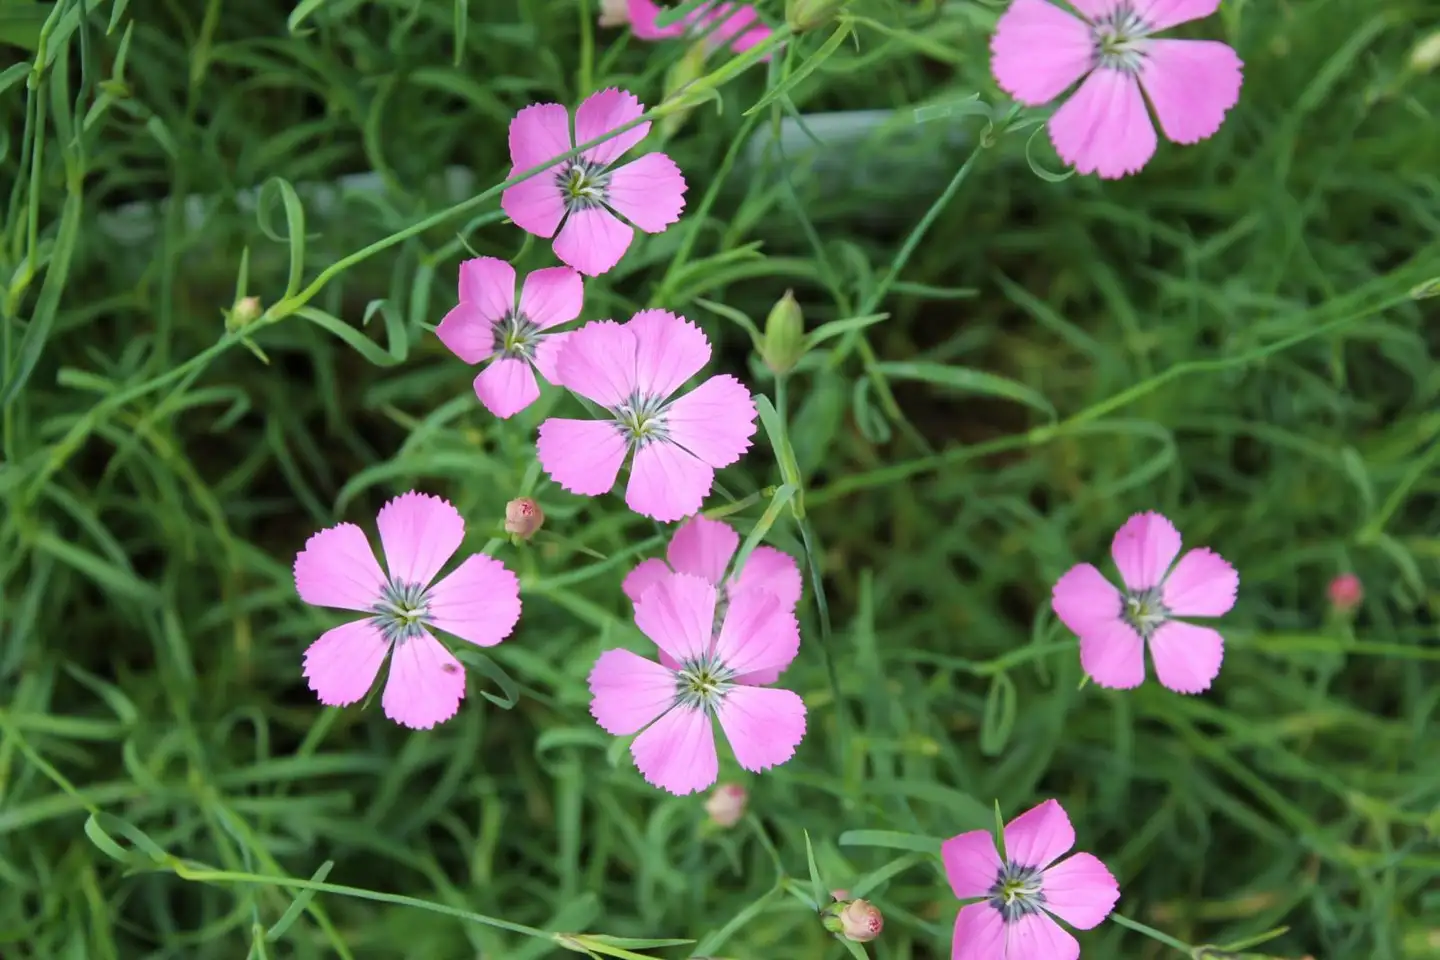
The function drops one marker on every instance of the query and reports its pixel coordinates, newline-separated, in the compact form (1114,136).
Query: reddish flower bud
(1346,593)
(726,804)
(523,517)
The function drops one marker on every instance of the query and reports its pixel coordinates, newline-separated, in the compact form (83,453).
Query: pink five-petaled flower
(631,370)
(584,192)
(736,25)
(1020,895)
(1114,628)
(489,323)
(703,547)
(478,601)
(1040,50)
(674,706)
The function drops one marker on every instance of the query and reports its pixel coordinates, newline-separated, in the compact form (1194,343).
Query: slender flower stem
(1152,933)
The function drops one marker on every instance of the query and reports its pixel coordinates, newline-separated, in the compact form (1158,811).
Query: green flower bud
(244,313)
(803,15)
(784,342)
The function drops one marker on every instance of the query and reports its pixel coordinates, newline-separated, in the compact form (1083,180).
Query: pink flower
(1346,592)
(1114,628)
(632,370)
(479,601)
(735,25)
(1020,895)
(490,323)
(584,193)
(1040,51)
(671,708)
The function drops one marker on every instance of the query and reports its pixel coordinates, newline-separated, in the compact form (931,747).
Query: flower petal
(643,14)
(536,205)
(342,665)
(764,726)
(419,533)
(643,577)
(1095,9)
(772,570)
(552,296)
(759,633)
(478,601)
(715,421)
(1113,654)
(1039,836)
(506,387)
(426,683)
(1103,128)
(1164,14)
(1191,84)
(602,112)
(979,934)
(752,38)
(1080,891)
(667,483)
(1037,937)
(547,355)
(703,547)
(629,692)
(337,568)
(649,192)
(668,351)
(1187,657)
(598,363)
(583,456)
(760,678)
(677,614)
(539,132)
(677,752)
(1038,51)
(592,241)
(466,334)
(1202,584)
(1084,600)
(1144,548)
(972,864)
(488,283)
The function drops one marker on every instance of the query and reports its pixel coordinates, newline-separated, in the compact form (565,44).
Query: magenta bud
(1345,592)
(523,517)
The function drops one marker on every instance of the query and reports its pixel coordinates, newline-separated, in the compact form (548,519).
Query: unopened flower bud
(803,15)
(1345,592)
(857,920)
(244,313)
(614,13)
(523,517)
(726,805)
(784,342)
(1426,55)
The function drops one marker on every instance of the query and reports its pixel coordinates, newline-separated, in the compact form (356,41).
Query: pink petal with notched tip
(677,752)
(668,351)
(649,192)
(552,296)
(763,726)
(467,334)
(507,386)
(593,240)
(1037,937)
(643,577)
(547,355)
(582,456)
(979,934)
(1113,654)
(759,633)
(772,570)
(603,112)
(1038,51)
(1144,548)
(1104,128)
(971,863)
(676,614)
(426,683)
(536,205)
(667,483)
(1085,601)
(1187,657)
(337,568)
(342,665)
(598,363)
(1202,584)
(489,284)
(1039,836)
(539,133)
(419,533)
(1164,14)
(478,601)
(715,421)
(703,547)
(1191,84)
(1080,891)
(629,692)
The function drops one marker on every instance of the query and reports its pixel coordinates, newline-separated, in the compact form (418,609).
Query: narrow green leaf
(998,718)
(294,226)
(835,328)
(809,66)
(817,886)
(37,332)
(298,905)
(362,344)
(890,840)
(472,657)
(969,381)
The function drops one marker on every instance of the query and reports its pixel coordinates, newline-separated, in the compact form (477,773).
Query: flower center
(515,335)
(1119,38)
(1017,891)
(1145,611)
(402,611)
(642,420)
(702,683)
(583,184)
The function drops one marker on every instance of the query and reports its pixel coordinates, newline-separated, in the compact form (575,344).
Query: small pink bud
(726,804)
(1346,592)
(614,13)
(857,920)
(523,517)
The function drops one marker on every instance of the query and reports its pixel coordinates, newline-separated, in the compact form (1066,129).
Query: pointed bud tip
(784,343)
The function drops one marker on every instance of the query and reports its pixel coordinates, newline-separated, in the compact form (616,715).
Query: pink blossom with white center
(703,547)
(514,334)
(673,708)
(1114,627)
(584,198)
(633,370)
(1020,896)
(719,25)
(1041,50)
(478,601)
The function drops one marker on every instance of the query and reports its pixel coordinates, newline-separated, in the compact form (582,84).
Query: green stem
(1152,933)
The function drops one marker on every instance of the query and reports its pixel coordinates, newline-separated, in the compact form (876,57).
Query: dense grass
(1229,337)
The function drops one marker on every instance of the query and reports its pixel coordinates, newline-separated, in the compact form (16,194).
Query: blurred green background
(1229,337)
